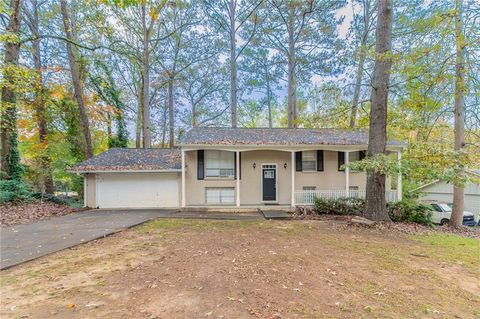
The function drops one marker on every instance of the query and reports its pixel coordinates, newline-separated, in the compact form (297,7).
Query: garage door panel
(137,190)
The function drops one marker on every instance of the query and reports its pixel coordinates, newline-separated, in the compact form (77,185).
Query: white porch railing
(307,198)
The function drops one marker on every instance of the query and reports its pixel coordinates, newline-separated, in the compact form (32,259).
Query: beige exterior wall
(90,190)
(250,182)
(331,178)
(195,189)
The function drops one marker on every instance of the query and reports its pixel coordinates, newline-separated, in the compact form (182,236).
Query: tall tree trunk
(138,127)
(269,97)
(233,64)
(376,208)
(10,159)
(147,139)
(70,34)
(171,123)
(456,219)
(358,84)
(45,161)
(194,114)
(292,84)
(164,124)
(362,54)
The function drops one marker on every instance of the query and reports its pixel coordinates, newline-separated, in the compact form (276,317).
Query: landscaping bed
(27,212)
(251,269)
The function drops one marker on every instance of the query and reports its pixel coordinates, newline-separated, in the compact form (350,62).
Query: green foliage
(381,163)
(341,206)
(13,190)
(15,168)
(407,211)
(411,212)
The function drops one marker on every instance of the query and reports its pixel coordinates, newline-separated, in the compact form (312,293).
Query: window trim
(219,176)
(315,161)
(220,202)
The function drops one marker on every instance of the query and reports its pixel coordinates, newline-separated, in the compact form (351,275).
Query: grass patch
(200,225)
(451,249)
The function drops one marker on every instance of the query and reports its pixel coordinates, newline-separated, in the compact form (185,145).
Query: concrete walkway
(26,242)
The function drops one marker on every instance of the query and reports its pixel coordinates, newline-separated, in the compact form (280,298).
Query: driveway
(26,242)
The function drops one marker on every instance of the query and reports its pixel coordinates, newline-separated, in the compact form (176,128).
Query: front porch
(268,177)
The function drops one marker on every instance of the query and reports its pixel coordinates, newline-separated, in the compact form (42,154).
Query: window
(309,188)
(352,157)
(309,161)
(219,164)
(353,188)
(219,195)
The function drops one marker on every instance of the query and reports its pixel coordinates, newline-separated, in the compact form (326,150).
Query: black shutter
(362,155)
(235,165)
(240,166)
(341,160)
(200,164)
(320,160)
(298,161)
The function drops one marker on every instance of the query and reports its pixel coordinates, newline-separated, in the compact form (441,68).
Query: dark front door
(269,176)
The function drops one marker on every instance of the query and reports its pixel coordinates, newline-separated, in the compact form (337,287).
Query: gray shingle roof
(124,159)
(276,136)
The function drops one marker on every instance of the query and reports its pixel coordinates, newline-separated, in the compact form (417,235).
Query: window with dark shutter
(320,160)
(341,160)
(200,164)
(298,161)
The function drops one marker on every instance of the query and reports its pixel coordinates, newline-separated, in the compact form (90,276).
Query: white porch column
(399,177)
(237,173)
(183,179)
(347,174)
(292,164)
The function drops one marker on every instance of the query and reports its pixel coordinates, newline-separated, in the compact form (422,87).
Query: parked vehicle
(476,217)
(442,213)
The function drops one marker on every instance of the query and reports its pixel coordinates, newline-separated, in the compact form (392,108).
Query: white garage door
(137,190)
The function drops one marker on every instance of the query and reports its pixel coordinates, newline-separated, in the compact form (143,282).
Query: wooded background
(79,77)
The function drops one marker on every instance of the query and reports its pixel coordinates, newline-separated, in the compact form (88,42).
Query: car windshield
(445,207)
(450,205)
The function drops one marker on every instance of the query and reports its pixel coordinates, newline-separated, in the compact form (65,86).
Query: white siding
(442,191)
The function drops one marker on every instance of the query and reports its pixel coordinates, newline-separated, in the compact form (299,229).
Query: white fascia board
(285,148)
(130,171)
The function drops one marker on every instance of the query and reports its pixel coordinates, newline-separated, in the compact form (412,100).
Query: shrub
(12,190)
(410,211)
(341,206)
(404,211)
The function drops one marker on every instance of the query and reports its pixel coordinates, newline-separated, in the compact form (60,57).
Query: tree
(262,75)
(303,35)
(363,24)
(456,219)
(375,205)
(32,19)
(10,157)
(229,16)
(70,28)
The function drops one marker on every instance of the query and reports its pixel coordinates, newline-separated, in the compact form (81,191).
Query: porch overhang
(284,148)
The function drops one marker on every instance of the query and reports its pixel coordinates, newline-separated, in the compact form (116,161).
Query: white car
(442,212)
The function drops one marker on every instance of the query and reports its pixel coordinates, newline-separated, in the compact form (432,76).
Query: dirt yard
(240,269)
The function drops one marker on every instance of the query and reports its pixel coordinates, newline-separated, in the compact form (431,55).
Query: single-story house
(237,167)
(443,192)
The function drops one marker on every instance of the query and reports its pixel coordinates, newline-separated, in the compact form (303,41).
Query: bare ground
(239,269)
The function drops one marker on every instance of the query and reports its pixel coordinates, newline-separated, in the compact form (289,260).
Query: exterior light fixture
(285,165)
(254,165)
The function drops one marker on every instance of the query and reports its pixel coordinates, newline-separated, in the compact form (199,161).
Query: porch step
(274,214)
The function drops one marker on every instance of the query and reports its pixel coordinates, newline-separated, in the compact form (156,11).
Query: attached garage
(137,190)
(132,178)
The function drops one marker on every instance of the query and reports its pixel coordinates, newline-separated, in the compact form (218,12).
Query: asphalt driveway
(26,242)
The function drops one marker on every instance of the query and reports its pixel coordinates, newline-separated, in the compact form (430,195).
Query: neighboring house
(233,167)
(443,192)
